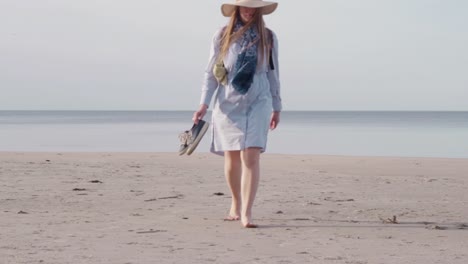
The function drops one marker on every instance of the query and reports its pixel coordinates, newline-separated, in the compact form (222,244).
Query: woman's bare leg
(250,177)
(233,172)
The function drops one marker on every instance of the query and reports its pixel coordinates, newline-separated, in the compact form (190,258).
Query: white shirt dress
(241,121)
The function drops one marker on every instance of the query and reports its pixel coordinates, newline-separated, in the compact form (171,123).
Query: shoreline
(206,153)
(114,207)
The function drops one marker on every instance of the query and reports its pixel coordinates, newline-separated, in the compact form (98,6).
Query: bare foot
(232,218)
(247,222)
(249,225)
(234,213)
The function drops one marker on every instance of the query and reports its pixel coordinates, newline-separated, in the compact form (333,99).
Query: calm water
(422,134)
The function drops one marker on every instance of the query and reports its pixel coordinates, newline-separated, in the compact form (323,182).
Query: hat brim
(267,7)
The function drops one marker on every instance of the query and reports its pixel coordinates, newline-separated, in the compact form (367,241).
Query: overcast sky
(151,54)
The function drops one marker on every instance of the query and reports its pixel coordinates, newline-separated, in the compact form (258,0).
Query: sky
(151,54)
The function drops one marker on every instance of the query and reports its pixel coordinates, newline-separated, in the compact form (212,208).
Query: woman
(247,103)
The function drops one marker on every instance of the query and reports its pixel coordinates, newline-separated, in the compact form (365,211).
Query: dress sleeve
(210,84)
(273,77)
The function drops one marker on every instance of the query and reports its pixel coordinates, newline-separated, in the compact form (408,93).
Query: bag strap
(270,36)
(219,60)
(250,44)
(272,64)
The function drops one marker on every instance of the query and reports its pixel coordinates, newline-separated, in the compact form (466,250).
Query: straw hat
(267,7)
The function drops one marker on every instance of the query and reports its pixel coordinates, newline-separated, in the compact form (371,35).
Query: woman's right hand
(200,113)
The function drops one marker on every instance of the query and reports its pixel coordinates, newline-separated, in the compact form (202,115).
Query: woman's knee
(251,157)
(232,159)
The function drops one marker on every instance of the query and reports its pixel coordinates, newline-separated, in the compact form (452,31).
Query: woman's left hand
(275,118)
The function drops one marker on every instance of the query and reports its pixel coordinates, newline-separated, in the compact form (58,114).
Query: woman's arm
(210,84)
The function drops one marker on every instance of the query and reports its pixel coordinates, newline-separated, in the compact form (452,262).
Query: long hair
(229,36)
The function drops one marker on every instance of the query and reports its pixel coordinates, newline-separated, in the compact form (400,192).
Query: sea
(354,133)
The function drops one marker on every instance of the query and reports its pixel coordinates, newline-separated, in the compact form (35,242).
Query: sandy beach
(161,208)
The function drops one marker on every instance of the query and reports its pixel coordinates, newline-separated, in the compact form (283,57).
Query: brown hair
(229,36)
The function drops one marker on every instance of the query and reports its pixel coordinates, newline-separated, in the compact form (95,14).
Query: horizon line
(181,110)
